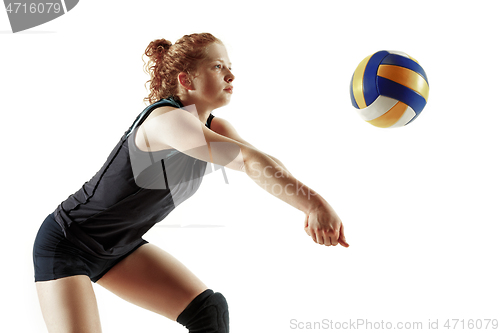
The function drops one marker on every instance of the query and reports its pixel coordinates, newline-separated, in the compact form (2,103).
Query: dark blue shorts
(55,257)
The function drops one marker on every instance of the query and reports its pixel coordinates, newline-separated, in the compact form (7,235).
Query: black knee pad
(207,313)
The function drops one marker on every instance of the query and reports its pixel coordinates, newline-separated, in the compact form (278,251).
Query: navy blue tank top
(131,192)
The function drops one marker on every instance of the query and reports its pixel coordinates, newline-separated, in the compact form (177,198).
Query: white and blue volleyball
(389,89)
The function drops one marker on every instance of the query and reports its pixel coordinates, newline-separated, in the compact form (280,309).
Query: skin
(149,277)
(152,278)
(205,89)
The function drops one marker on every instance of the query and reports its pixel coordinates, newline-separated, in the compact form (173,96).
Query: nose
(229,77)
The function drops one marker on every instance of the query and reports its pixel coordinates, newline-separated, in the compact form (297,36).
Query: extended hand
(325,227)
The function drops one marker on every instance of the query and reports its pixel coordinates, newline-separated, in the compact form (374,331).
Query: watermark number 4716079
(26,14)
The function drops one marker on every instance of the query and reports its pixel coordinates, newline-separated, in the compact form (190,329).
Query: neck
(202,110)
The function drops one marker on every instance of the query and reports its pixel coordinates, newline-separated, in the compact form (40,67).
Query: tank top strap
(147,111)
(209,120)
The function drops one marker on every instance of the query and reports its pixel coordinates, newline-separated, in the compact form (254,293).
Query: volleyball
(389,89)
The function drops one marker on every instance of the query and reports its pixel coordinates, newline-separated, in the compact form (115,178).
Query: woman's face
(213,79)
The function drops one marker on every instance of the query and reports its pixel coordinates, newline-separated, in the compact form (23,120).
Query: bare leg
(69,305)
(153,279)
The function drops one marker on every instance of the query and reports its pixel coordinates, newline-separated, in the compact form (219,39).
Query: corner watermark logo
(25,15)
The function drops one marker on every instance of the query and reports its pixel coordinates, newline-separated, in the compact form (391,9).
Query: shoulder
(225,128)
(222,126)
(161,106)
(162,110)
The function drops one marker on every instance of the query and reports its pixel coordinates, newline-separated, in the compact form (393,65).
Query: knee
(208,312)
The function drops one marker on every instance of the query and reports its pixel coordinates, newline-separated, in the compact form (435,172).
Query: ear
(185,81)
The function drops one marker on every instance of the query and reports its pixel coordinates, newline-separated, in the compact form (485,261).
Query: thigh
(153,279)
(69,305)
(54,256)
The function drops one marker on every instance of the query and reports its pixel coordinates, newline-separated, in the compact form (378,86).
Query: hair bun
(157,48)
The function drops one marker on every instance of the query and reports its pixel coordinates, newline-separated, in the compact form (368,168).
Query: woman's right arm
(321,222)
(185,132)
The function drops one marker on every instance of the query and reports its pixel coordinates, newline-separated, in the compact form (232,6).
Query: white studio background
(419,203)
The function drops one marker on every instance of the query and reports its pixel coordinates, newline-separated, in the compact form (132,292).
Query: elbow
(246,157)
(243,159)
(253,161)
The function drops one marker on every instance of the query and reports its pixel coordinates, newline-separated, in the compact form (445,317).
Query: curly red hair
(167,60)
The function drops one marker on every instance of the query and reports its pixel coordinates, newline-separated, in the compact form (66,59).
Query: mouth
(229,89)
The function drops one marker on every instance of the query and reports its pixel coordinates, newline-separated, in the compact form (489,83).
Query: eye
(218,66)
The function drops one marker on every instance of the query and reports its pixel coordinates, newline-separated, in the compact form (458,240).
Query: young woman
(95,235)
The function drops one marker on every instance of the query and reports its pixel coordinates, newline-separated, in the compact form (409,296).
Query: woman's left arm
(321,223)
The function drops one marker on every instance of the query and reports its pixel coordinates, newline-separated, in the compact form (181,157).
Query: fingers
(343,243)
(322,237)
(342,239)
(334,236)
(325,235)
